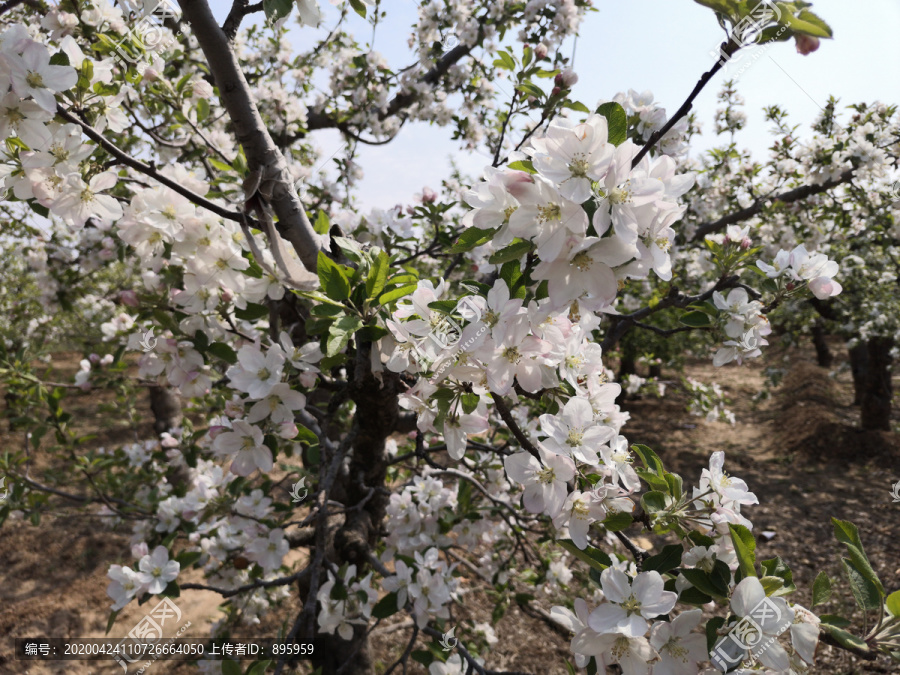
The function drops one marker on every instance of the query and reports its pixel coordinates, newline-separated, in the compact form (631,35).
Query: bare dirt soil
(798,449)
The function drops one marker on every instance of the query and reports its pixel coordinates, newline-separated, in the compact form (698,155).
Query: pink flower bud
(140,550)
(555,91)
(567,78)
(227,295)
(429,196)
(746,243)
(151,74)
(215,430)
(541,51)
(806,44)
(94,358)
(128,298)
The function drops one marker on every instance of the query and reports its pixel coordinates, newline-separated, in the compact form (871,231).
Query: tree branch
(147,169)
(727,50)
(794,195)
(507,417)
(264,158)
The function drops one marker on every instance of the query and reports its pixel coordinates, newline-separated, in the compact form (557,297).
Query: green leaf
(259,668)
(893,603)
(864,591)
(523,165)
(618,521)
(696,320)
(616,120)
(202,109)
(531,89)
(230,667)
(252,312)
(222,351)
(591,556)
(60,59)
(332,278)
(848,534)
(806,23)
(712,635)
(386,607)
(667,559)
(703,582)
(275,11)
(649,459)
(745,547)
(505,60)
(654,501)
(834,620)
(471,238)
(772,585)
(322,224)
(396,294)
(350,248)
(844,638)
(422,656)
(821,589)
(188,558)
(469,402)
(776,567)
(111,620)
(306,435)
(694,596)
(378,275)
(359,7)
(517,249)
(339,334)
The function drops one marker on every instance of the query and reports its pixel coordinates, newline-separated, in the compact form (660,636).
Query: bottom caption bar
(132,649)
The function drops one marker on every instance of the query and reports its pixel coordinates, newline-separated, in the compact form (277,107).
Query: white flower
(579,511)
(574,432)
(125,585)
(679,650)
(246,444)
(545,486)
(746,597)
(32,75)
(269,551)
(255,373)
(629,605)
(79,201)
(156,570)
(279,405)
(573,155)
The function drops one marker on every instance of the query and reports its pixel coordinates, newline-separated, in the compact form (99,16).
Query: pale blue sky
(661,45)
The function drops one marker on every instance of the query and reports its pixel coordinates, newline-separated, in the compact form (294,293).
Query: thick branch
(263,156)
(794,195)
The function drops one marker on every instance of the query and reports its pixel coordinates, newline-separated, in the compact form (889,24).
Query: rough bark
(362,490)
(166,406)
(823,353)
(875,412)
(859,368)
(263,156)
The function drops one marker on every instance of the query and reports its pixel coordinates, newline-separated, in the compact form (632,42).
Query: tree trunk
(166,406)
(875,413)
(362,490)
(823,353)
(859,367)
(655,371)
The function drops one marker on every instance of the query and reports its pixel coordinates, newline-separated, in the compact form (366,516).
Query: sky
(658,45)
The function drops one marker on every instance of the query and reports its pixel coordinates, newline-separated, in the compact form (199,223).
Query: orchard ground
(798,449)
